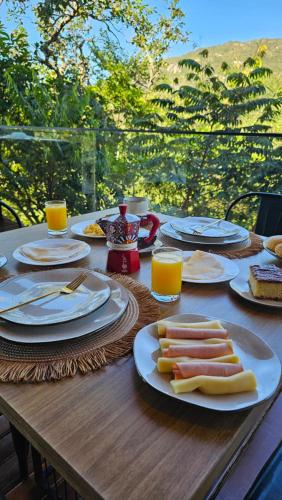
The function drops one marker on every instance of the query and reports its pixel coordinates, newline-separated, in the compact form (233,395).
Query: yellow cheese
(164,342)
(240,382)
(164,365)
(162,325)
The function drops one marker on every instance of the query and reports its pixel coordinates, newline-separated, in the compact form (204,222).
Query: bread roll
(278,249)
(273,241)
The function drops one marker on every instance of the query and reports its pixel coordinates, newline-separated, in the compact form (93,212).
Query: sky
(211,22)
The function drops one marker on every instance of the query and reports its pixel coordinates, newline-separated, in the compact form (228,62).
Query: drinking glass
(166,273)
(56,216)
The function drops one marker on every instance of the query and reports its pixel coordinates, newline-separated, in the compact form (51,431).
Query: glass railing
(181,172)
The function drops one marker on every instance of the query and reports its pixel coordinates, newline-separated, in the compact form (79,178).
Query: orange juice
(56,215)
(167,272)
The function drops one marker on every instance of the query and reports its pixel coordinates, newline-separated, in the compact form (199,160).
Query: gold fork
(69,288)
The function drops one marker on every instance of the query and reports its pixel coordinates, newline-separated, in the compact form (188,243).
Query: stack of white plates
(222,233)
(98,302)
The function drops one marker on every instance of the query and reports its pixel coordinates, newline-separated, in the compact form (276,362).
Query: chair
(269,216)
(5,223)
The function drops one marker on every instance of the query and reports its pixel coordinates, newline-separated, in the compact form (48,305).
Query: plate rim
(12,278)
(26,260)
(178,237)
(72,228)
(4,260)
(200,317)
(271,251)
(274,303)
(215,280)
(35,340)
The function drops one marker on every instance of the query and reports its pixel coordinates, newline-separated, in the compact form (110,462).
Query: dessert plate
(110,312)
(241,286)
(254,354)
(57,308)
(55,245)
(271,251)
(168,230)
(230,270)
(79,227)
(221,229)
(156,244)
(3,260)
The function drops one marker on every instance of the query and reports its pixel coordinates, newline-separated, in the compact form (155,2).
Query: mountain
(234,53)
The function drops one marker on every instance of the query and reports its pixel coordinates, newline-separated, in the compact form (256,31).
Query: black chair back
(269,216)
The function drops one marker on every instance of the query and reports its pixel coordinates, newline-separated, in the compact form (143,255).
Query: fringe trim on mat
(29,371)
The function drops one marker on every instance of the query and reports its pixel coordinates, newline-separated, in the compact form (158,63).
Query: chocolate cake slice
(266,281)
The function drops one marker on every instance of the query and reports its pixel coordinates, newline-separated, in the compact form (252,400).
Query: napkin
(202,266)
(61,251)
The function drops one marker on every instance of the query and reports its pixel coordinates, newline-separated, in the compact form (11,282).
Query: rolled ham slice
(164,342)
(165,365)
(188,370)
(240,382)
(197,351)
(195,333)
(164,324)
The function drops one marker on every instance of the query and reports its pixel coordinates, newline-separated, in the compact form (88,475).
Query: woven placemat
(251,246)
(57,360)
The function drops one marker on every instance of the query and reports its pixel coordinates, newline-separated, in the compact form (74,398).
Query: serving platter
(254,354)
(110,312)
(57,308)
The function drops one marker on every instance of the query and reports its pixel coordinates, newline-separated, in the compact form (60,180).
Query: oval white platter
(51,243)
(57,308)
(168,230)
(230,270)
(110,312)
(79,227)
(254,354)
(241,286)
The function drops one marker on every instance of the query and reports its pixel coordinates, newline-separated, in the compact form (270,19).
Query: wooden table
(111,435)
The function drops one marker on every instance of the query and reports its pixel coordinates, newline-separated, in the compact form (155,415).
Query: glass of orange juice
(56,216)
(166,273)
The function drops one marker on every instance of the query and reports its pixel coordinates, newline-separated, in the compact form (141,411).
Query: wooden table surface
(111,435)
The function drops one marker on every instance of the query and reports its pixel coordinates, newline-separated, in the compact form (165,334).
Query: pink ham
(195,333)
(192,369)
(197,351)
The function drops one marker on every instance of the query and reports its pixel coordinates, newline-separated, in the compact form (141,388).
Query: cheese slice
(164,342)
(240,382)
(202,266)
(58,252)
(163,324)
(165,365)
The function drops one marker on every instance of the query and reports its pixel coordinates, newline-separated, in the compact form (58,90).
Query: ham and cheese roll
(165,365)
(164,342)
(197,351)
(163,325)
(195,333)
(240,382)
(188,370)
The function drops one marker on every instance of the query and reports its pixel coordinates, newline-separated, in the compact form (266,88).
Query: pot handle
(145,219)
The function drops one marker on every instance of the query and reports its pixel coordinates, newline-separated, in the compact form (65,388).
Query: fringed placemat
(251,246)
(57,360)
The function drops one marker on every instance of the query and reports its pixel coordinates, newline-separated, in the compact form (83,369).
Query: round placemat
(251,246)
(54,361)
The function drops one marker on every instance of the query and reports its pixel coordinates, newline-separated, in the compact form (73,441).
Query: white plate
(57,308)
(270,251)
(241,286)
(79,227)
(3,260)
(93,322)
(156,244)
(254,354)
(230,270)
(221,230)
(50,243)
(168,230)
